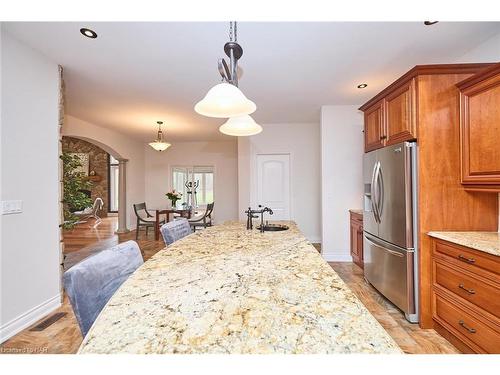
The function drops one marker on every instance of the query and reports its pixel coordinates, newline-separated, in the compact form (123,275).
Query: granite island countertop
(229,290)
(488,242)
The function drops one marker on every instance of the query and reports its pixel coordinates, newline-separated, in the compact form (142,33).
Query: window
(202,176)
(113,184)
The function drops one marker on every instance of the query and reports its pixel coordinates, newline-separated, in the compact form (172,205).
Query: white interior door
(273,184)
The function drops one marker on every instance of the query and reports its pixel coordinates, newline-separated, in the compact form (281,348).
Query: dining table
(183,212)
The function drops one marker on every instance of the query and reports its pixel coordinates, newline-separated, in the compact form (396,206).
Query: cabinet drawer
(466,258)
(481,293)
(471,330)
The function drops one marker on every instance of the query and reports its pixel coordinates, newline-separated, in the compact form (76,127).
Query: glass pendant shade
(159,145)
(240,126)
(225,100)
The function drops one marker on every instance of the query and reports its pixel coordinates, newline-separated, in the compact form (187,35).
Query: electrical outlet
(12,207)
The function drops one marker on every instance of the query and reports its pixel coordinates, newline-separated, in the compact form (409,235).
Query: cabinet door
(354,240)
(400,109)
(480,133)
(374,127)
(357,242)
(360,245)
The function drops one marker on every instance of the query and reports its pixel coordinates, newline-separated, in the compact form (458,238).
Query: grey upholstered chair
(175,230)
(91,283)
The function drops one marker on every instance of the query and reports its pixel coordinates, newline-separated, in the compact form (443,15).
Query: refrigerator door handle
(392,252)
(374,193)
(380,190)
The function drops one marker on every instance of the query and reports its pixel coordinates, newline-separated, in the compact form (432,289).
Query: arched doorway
(121,190)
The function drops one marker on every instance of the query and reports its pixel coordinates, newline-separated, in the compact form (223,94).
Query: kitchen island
(230,290)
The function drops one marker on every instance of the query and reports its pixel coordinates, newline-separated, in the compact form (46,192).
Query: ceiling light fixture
(226,99)
(362,86)
(159,144)
(239,126)
(429,23)
(88,33)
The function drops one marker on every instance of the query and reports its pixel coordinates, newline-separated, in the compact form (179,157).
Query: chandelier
(159,144)
(225,100)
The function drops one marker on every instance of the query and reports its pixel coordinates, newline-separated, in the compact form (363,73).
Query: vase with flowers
(174,196)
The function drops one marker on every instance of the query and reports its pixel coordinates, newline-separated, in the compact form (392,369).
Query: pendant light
(240,126)
(226,99)
(159,144)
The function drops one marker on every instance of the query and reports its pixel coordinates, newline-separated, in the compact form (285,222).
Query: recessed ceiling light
(88,33)
(362,86)
(429,23)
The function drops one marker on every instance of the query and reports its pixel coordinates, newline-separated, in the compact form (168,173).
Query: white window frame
(191,170)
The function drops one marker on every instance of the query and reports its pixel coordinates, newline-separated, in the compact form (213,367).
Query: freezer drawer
(390,270)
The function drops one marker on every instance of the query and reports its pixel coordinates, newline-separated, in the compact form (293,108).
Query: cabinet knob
(383,137)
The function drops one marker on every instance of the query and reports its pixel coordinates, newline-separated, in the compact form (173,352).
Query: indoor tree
(74,183)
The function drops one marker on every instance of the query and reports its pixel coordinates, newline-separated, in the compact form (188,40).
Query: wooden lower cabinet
(466,297)
(357,238)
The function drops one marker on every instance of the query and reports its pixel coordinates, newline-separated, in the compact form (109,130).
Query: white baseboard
(23,321)
(314,239)
(329,257)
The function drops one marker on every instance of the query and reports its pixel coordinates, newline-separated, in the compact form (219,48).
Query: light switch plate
(12,207)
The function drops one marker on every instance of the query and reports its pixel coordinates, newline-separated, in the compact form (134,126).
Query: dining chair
(175,230)
(93,281)
(91,213)
(205,220)
(144,221)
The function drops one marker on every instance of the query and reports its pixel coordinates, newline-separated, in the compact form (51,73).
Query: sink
(273,227)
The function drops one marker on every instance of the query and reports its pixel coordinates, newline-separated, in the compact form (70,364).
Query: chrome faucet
(251,214)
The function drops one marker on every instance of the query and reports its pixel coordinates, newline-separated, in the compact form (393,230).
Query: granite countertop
(357,211)
(488,242)
(229,290)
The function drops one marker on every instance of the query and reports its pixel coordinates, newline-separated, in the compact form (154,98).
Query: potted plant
(74,183)
(174,196)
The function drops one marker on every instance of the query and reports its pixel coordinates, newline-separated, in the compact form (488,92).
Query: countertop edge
(472,240)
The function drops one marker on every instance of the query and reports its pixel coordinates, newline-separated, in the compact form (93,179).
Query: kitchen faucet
(251,215)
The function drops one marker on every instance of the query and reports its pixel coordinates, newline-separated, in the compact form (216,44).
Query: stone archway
(122,183)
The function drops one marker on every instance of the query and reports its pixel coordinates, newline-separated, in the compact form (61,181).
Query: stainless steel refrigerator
(389,224)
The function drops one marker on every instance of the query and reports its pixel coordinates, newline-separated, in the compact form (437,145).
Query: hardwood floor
(64,336)
(410,337)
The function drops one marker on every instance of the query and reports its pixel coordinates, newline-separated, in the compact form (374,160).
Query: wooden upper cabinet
(374,127)
(480,130)
(391,115)
(400,114)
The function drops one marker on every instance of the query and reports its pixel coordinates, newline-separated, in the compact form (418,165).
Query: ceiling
(136,73)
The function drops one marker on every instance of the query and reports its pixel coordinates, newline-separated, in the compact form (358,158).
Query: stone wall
(98,162)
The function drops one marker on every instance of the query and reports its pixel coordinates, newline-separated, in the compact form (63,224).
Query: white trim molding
(336,257)
(30,317)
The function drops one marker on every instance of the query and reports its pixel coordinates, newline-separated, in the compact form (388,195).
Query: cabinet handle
(462,323)
(465,259)
(470,291)
(383,137)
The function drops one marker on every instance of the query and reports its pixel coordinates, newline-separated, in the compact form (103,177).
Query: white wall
(120,146)
(302,142)
(488,51)
(341,176)
(222,155)
(29,172)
